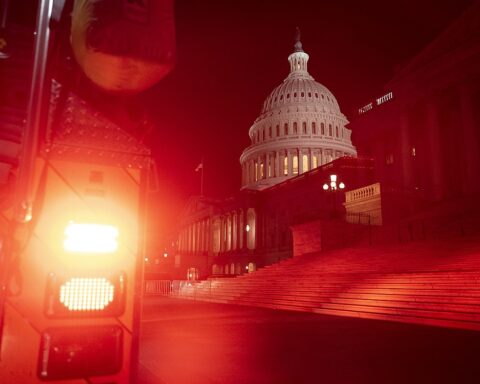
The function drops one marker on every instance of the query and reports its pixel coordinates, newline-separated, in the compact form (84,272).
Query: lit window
(414,152)
(304,163)
(295,165)
(315,161)
(389,159)
(285,165)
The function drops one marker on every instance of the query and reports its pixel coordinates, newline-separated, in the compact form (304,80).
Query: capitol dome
(299,128)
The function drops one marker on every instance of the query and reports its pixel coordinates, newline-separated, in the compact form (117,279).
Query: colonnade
(290,162)
(234,230)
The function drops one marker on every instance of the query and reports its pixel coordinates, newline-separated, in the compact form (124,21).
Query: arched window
(216,235)
(295,129)
(336,131)
(322,128)
(285,127)
(304,163)
(263,134)
(250,228)
(278,130)
(295,165)
(330,133)
(270,131)
(304,127)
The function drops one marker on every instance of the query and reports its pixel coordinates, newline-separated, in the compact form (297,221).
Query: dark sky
(232,54)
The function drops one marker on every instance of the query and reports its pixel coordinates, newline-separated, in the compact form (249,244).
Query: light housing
(85,296)
(80,352)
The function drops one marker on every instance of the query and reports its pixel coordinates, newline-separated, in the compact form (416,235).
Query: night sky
(232,54)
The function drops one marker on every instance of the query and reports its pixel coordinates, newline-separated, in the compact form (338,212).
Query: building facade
(424,132)
(254,228)
(418,163)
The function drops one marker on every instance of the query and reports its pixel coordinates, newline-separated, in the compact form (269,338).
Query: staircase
(434,283)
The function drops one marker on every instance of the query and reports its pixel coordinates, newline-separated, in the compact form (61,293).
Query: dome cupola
(300,127)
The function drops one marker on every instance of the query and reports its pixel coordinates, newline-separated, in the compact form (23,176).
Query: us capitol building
(298,140)
(300,128)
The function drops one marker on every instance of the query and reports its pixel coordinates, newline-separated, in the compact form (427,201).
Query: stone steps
(424,283)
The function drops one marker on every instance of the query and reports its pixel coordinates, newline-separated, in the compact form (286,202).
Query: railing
(167,287)
(362,193)
(158,287)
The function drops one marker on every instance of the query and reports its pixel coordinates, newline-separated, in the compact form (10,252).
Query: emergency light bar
(90,238)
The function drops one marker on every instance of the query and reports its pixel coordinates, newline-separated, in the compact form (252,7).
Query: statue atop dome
(298,43)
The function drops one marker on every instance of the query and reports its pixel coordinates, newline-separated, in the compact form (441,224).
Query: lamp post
(333,187)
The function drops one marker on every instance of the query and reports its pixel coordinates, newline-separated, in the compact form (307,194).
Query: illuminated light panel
(86,294)
(90,238)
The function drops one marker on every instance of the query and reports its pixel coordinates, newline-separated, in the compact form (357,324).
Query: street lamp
(333,187)
(333,184)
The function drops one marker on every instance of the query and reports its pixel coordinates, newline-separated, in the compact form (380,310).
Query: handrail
(362,193)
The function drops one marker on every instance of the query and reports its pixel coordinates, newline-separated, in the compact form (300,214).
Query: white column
(289,163)
(252,171)
(300,161)
(266,167)
(277,164)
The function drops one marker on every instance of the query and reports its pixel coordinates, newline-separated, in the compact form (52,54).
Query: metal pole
(201,180)
(24,188)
